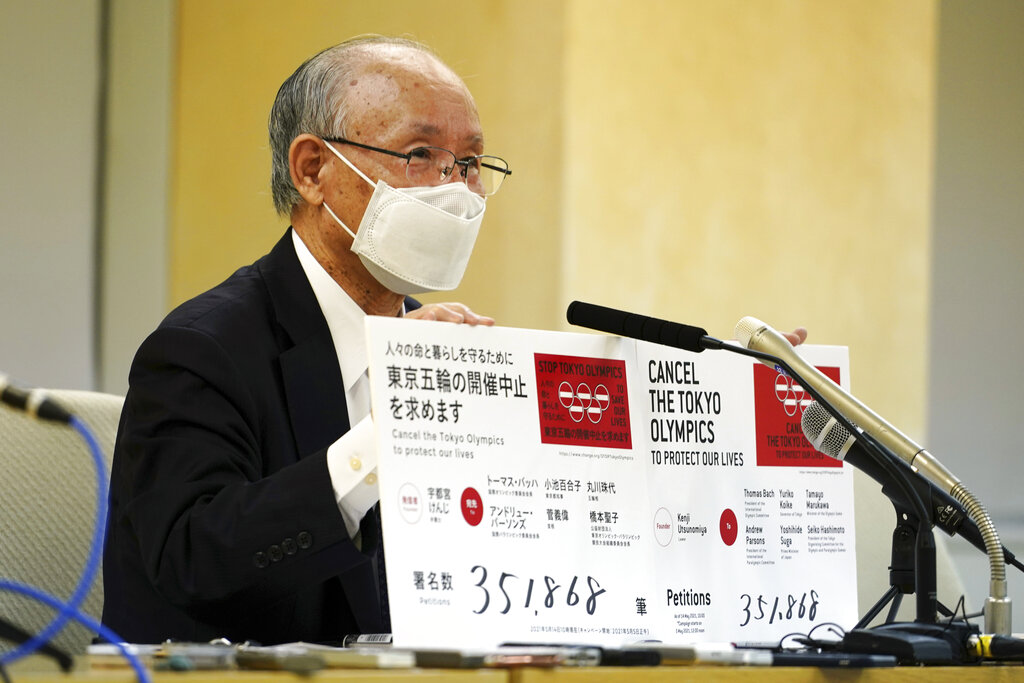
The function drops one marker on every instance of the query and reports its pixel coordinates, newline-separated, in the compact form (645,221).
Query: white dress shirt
(352,459)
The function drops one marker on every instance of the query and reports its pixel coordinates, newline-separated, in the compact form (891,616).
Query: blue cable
(70,609)
(92,563)
(83,619)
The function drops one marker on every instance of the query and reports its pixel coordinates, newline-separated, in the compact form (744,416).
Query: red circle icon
(472,506)
(728,526)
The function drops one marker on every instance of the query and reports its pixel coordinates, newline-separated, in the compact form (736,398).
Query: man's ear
(306,159)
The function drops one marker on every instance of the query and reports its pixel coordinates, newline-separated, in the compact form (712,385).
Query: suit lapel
(313,386)
(315,394)
(312,380)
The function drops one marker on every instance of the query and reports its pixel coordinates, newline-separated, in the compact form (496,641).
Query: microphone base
(914,643)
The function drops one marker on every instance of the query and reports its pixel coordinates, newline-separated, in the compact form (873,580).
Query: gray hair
(313,100)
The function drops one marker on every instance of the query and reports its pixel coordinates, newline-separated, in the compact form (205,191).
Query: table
(22,673)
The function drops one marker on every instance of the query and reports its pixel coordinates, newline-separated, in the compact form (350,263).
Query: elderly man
(242,502)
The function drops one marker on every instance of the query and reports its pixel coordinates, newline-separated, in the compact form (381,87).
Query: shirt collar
(344,316)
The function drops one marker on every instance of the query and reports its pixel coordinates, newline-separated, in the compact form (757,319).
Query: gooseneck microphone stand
(696,340)
(922,641)
(917,542)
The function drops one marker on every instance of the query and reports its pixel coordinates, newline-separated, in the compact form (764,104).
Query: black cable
(808,640)
(13,633)
(835,628)
(961,604)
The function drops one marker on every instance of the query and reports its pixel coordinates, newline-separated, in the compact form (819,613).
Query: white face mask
(416,239)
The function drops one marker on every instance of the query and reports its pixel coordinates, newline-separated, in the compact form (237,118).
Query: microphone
(34,402)
(834,440)
(645,328)
(754,334)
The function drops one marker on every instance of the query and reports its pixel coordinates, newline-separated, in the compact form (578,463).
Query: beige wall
(698,161)
(50,77)
(974,405)
(768,158)
(134,228)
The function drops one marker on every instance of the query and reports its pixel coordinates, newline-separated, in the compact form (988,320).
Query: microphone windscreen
(35,402)
(596,317)
(819,426)
(745,329)
(646,328)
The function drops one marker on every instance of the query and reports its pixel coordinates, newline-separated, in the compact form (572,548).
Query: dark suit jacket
(223,522)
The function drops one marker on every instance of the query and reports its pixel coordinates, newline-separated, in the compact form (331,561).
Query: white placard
(574,488)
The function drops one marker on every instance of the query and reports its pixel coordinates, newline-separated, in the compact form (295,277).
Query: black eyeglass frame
(464,163)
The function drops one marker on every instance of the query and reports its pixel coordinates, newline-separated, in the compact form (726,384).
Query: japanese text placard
(555,487)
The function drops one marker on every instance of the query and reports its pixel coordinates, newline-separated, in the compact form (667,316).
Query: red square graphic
(779,403)
(582,401)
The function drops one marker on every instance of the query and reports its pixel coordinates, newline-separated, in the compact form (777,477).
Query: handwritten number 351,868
(572,598)
(794,609)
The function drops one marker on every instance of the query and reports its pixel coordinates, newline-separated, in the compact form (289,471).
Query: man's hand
(797,336)
(451,312)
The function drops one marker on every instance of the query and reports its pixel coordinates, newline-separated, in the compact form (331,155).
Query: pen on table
(608,656)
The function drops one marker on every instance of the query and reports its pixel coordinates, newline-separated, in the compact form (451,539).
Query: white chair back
(48,494)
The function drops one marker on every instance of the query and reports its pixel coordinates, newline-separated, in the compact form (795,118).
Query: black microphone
(35,402)
(645,328)
(834,440)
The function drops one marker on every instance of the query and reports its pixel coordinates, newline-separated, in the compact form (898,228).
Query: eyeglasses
(428,166)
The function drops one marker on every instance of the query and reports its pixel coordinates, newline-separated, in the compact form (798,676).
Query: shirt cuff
(352,465)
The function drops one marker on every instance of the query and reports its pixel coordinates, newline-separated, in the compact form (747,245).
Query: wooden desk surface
(19,675)
(665,674)
(752,674)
